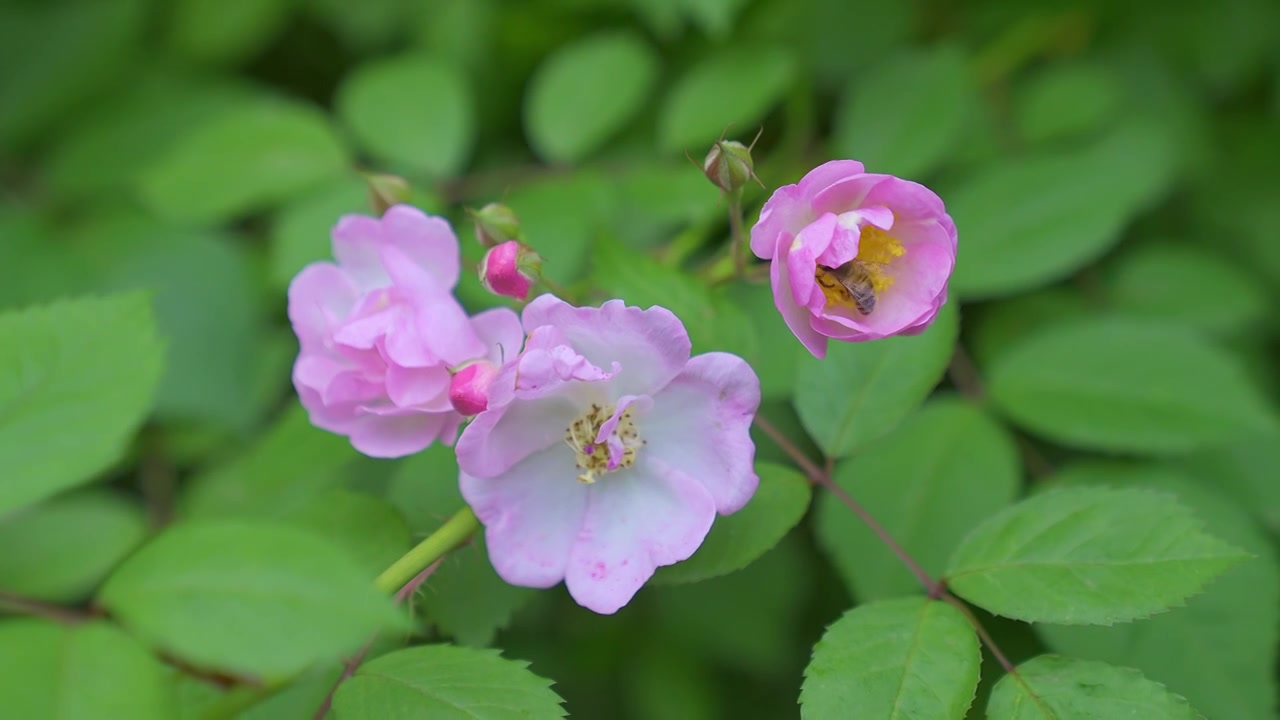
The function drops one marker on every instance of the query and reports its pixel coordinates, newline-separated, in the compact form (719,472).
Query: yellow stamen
(877,249)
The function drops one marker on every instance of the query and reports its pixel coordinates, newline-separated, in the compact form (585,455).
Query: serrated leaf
(446,682)
(242,160)
(903,658)
(68,544)
(733,87)
(291,463)
(1234,625)
(1066,99)
(1054,687)
(585,92)
(225,31)
(1092,556)
(928,483)
(247,596)
(467,600)
(1183,283)
(737,540)
(1125,385)
(861,391)
(411,112)
(76,378)
(906,115)
(1038,218)
(79,672)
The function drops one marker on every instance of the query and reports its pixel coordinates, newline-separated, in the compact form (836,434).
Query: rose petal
(500,331)
(356,240)
(636,521)
(847,194)
(393,436)
(320,295)
(784,212)
(531,515)
(428,240)
(498,439)
(653,342)
(422,388)
(700,425)
(796,316)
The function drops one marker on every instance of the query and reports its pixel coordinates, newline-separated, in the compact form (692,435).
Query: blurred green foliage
(1111,167)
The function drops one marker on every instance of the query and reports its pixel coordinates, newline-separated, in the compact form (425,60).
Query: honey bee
(854,277)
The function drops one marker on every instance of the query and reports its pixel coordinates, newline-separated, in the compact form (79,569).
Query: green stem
(450,535)
(737,236)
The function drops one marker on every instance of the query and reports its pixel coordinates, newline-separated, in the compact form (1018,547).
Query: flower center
(857,283)
(595,455)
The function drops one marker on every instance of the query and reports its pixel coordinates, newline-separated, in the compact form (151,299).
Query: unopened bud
(729,165)
(495,224)
(386,190)
(509,269)
(469,386)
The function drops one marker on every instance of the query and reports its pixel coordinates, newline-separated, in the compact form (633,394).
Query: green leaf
(446,682)
(371,529)
(586,92)
(1088,556)
(715,16)
(737,540)
(1038,218)
(1234,625)
(1126,385)
(243,160)
(775,355)
(55,55)
(1244,470)
(69,544)
(413,113)
(928,483)
(894,658)
(1191,285)
(79,672)
(425,488)
(1054,687)
(225,31)
(300,232)
(203,293)
(907,114)
(1006,322)
(861,391)
(76,379)
(1066,99)
(736,87)
(657,201)
(292,463)
(247,596)
(467,600)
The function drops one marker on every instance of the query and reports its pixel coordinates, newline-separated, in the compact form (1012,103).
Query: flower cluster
(596,447)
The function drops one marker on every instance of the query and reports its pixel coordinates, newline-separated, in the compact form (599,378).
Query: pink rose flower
(607,451)
(856,256)
(469,388)
(509,269)
(379,330)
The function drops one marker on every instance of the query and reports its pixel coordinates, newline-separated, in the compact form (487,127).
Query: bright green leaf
(715,16)
(587,91)
(561,217)
(411,112)
(1234,625)
(1125,385)
(1245,470)
(225,31)
(776,353)
(1051,687)
(734,87)
(1183,283)
(861,391)
(1004,323)
(79,672)
(737,540)
(1088,556)
(300,232)
(243,160)
(291,463)
(1066,99)
(77,377)
(449,683)
(1039,218)
(247,596)
(370,528)
(903,658)
(906,115)
(68,544)
(467,600)
(424,487)
(928,483)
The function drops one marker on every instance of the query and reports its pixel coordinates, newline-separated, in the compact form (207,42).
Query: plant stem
(39,608)
(737,237)
(448,536)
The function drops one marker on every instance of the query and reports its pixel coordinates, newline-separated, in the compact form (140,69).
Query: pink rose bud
(855,255)
(729,165)
(469,388)
(495,224)
(386,191)
(509,269)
